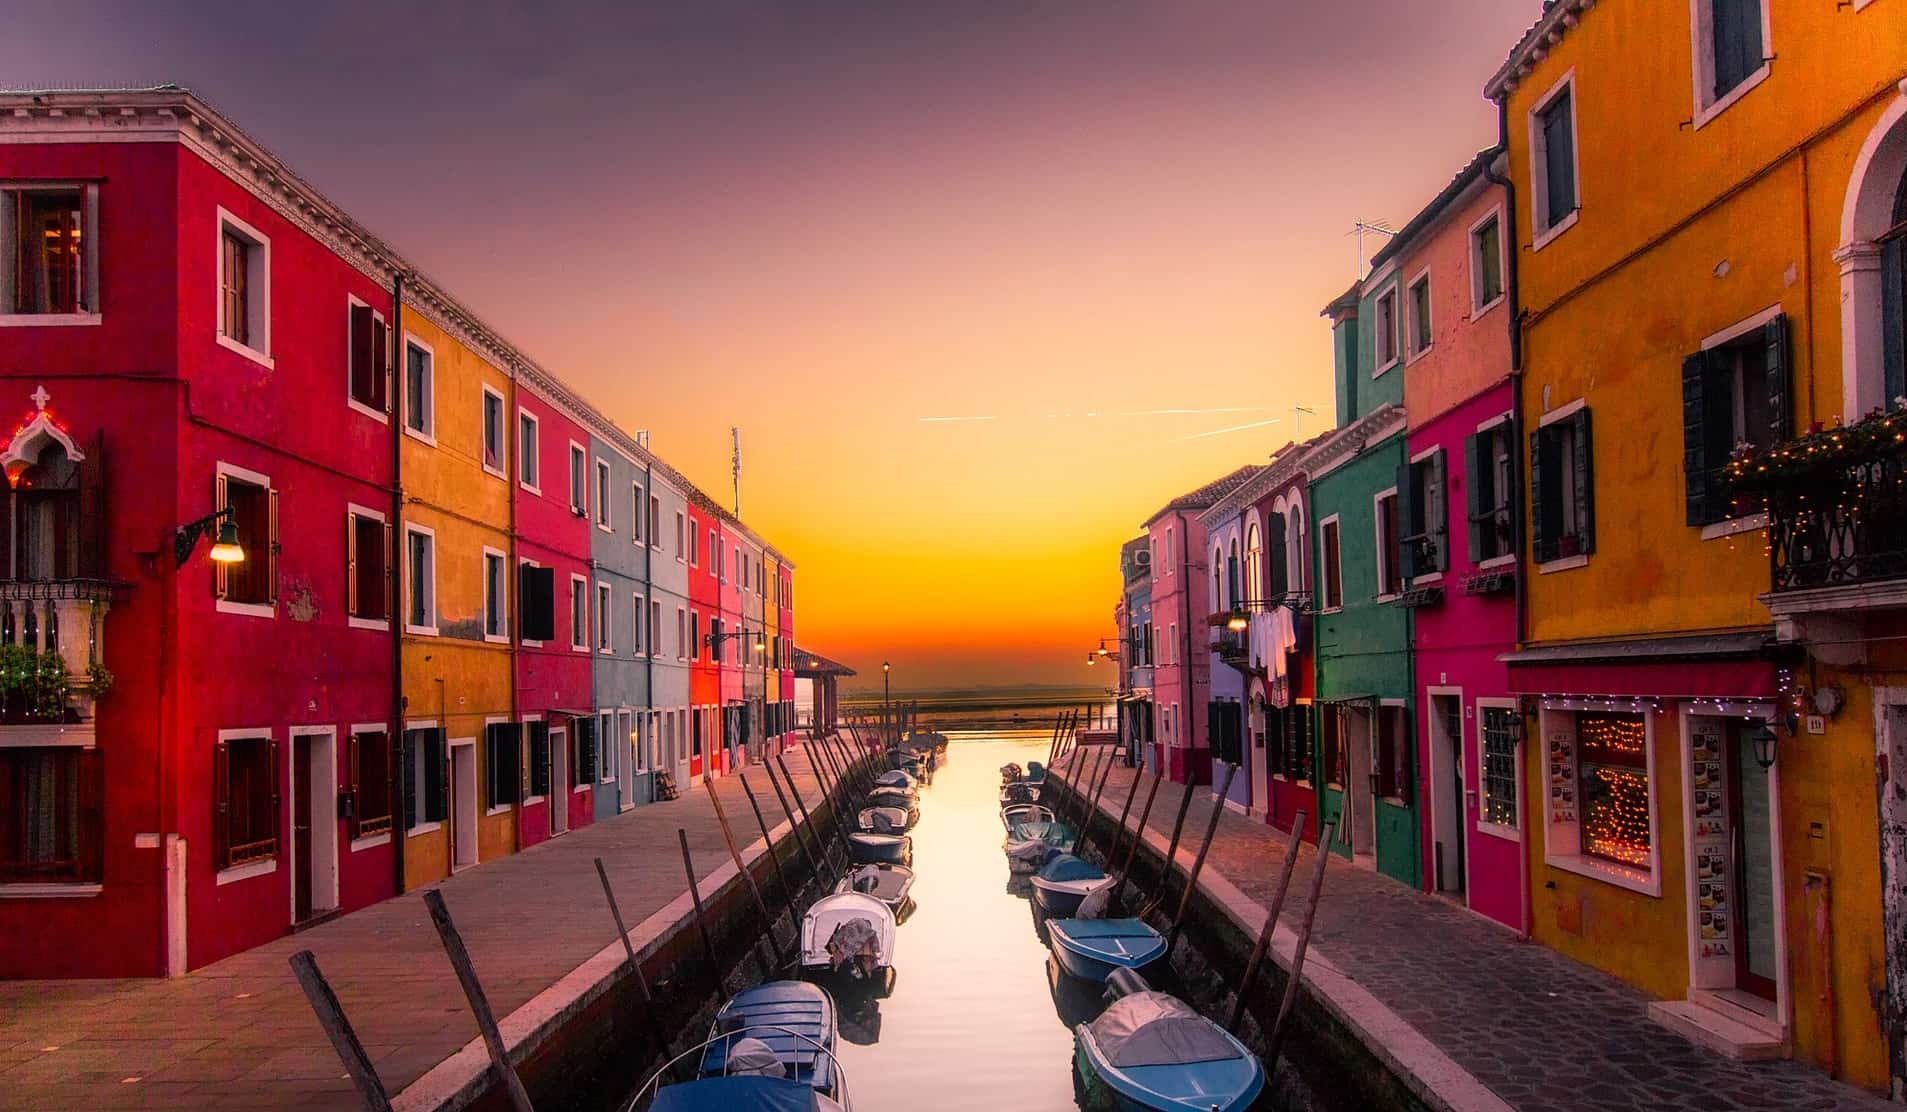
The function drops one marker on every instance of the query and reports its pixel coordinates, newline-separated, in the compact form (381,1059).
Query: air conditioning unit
(1142,558)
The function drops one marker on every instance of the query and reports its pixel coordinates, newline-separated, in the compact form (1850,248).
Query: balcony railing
(42,617)
(1836,502)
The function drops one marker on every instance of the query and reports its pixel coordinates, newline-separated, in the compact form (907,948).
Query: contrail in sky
(948,420)
(1094,414)
(1234,428)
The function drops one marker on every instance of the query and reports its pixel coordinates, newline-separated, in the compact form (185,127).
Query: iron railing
(1837,522)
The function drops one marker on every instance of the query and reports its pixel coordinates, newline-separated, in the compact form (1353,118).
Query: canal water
(972,1021)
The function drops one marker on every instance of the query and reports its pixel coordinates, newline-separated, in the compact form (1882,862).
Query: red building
(180,344)
(554,660)
(705,612)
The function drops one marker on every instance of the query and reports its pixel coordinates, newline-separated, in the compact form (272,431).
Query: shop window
(246,801)
(1613,784)
(1734,394)
(1488,468)
(51,259)
(1498,803)
(1562,489)
(51,820)
(369,766)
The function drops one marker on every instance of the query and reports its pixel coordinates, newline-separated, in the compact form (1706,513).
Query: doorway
(463,803)
(1447,818)
(1360,793)
(314,827)
(1750,806)
(559,782)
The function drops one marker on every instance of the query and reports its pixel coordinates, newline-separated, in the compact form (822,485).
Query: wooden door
(304,869)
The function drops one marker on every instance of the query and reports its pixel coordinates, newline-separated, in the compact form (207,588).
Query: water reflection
(860,1020)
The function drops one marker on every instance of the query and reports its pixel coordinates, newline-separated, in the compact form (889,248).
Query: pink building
(1456,503)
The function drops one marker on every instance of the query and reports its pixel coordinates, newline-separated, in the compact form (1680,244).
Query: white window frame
(1497,829)
(1377,536)
(412,529)
(1543,228)
(655,520)
(1746,523)
(523,754)
(578,637)
(1560,413)
(1478,307)
(483,765)
(427,434)
(502,470)
(1582,864)
(1490,424)
(503,596)
(526,562)
(229,606)
(681,632)
(89,265)
(1392,295)
(1707,106)
(642,646)
(605,480)
(1334,524)
(654,618)
(638,507)
(269,865)
(604,625)
(578,480)
(351,510)
(416,776)
(534,456)
(260,326)
(352,301)
(1412,352)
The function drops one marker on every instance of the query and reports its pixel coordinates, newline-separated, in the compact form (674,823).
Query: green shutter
(1437,514)
(1406,519)
(1780,400)
(1695,446)
(1542,537)
(1584,464)
(1479,471)
(433,786)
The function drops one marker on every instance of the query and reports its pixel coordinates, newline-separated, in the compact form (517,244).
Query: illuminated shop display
(1613,767)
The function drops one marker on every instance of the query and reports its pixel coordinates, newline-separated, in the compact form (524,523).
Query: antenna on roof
(642,438)
(1368,228)
(735,466)
(1298,412)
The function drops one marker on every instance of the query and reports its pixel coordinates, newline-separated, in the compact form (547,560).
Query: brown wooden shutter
(271,563)
(221,805)
(277,799)
(380,365)
(220,577)
(351,564)
(363,367)
(353,770)
(92,509)
(390,566)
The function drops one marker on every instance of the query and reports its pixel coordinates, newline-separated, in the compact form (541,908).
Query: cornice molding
(1535,45)
(1379,424)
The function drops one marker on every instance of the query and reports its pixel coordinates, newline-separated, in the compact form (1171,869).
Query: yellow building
(463,747)
(1703,192)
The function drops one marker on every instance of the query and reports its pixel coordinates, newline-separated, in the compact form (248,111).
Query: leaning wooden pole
(656,1032)
(1296,976)
(701,915)
(1119,828)
(1263,944)
(748,876)
(479,1003)
(1139,832)
(1172,848)
(1198,862)
(1085,788)
(1052,743)
(337,1028)
(1092,810)
(774,852)
(806,817)
(800,828)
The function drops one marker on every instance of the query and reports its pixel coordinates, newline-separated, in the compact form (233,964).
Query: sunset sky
(829,222)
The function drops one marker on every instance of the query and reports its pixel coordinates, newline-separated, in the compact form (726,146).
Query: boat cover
(855,948)
(739,1094)
(1035,770)
(1029,857)
(884,820)
(1067,867)
(896,778)
(1096,903)
(1040,830)
(1156,1029)
(885,884)
(1019,793)
(755,1058)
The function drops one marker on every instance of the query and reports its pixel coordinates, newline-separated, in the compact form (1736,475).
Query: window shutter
(362,358)
(1407,510)
(220,580)
(351,564)
(221,805)
(92,510)
(538,603)
(1479,471)
(1542,542)
(353,769)
(407,762)
(1437,514)
(434,786)
(1695,447)
(1780,401)
(1585,484)
(512,741)
(387,561)
(277,797)
(271,549)
(380,365)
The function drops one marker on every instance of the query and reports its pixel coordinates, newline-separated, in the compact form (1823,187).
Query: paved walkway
(1540,1031)
(238,1033)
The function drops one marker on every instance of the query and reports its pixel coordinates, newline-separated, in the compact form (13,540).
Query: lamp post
(886,694)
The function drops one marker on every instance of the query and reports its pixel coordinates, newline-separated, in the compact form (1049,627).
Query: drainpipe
(1185,632)
(1517,516)
(648,595)
(397,543)
(513,580)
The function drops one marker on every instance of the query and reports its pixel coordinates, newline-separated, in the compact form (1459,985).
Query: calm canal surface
(971,1022)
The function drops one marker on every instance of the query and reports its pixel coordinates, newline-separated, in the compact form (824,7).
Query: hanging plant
(1879,434)
(50,686)
(99,679)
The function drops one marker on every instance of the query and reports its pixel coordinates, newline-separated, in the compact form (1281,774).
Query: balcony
(1836,505)
(51,649)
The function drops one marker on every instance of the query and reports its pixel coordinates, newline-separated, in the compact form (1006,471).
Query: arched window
(1232,594)
(1295,548)
(1254,565)
(1893,245)
(46,517)
(1218,579)
(1280,582)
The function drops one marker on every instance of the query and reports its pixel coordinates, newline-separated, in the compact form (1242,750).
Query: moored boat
(866,848)
(893,797)
(1056,835)
(1091,949)
(848,935)
(1019,792)
(741,1093)
(770,1049)
(897,778)
(886,883)
(1013,813)
(1063,882)
(887,820)
(1150,1050)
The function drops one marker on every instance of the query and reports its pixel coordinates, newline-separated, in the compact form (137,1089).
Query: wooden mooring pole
(479,1003)
(701,916)
(769,967)
(1092,809)
(1138,832)
(1172,850)
(1296,977)
(806,817)
(774,852)
(1271,922)
(1119,828)
(338,1029)
(800,828)
(1052,744)
(656,1032)
(1198,862)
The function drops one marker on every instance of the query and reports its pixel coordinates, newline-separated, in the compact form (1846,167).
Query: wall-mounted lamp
(1238,623)
(225,546)
(1764,739)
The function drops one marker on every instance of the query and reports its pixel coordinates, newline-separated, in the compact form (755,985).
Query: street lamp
(1764,739)
(225,546)
(1238,623)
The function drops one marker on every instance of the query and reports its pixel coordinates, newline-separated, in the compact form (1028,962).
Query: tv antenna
(1364,228)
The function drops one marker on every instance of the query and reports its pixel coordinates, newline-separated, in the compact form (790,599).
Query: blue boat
(1149,1050)
(1063,882)
(742,1094)
(1091,949)
(794,1019)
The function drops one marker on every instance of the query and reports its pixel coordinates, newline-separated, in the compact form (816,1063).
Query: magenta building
(1457,502)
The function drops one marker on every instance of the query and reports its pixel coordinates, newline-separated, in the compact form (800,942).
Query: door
(463,803)
(1360,794)
(1752,846)
(1448,821)
(1263,719)
(304,871)
(625,736)
(559,781)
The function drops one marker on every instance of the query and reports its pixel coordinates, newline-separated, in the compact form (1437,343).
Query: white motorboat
(848,934)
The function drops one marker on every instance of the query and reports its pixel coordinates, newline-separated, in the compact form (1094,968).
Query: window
(695,547)
(539,735)
(1172,644)
(655,628)
(528,469)
(1331,579)
(1420,334)
(1730,48)
(718,561)
(1168,550)
(1613,772)
(496,597)
(655,523)
(1562,488)
(1489,487)
(420,571)
(1553,160)
(1331,723)
(1486,263)
(502,763)
(536,603)
(56,516)
(244,288)
(680,552)
(681,634)
(369,767)
(1893,307)
(420,414)
(51,820)
(1297,742)
(695,635)
(636,513)
(604,519)
(578,480)
(578,613)
(425,785)
(1734,392)
(1393,752)
(52,260)
(367,580)
(369,341)
(253,582)
(582,763)
(1425,549)
(1386,329)
(605,618)
(245,801)
(1497,728)
(492,432)
(1390,548)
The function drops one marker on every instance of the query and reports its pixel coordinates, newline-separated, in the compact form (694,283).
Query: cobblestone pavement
(239,1034)
(1542,1031)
